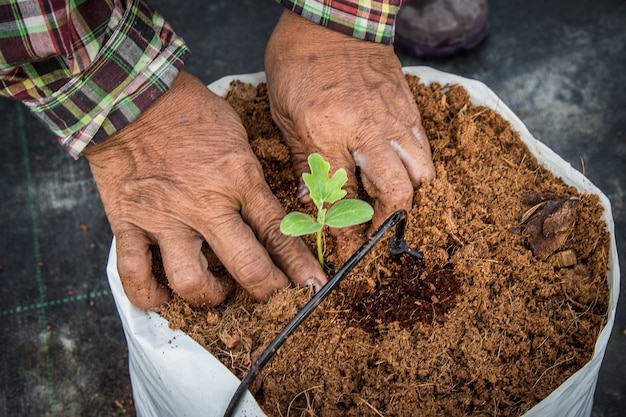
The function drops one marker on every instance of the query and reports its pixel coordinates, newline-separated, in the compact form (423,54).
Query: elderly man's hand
(348,100)
(183,172)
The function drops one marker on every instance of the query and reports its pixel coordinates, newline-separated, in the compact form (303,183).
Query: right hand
(181,173)
(348,100)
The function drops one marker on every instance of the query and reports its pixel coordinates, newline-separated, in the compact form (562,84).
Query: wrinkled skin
(183,172)
(348,100)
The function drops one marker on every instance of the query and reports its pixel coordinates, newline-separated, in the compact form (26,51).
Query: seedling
(327,194)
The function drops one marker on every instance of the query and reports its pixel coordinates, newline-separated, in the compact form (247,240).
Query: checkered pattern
(367,20)
(86,68)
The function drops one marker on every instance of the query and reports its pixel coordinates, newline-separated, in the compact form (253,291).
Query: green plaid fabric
(368,20)
(86,68)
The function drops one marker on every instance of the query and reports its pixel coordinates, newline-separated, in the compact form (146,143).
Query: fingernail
(159,308)
(315,284)
(302,189)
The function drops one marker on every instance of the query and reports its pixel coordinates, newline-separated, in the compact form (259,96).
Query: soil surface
(506,304)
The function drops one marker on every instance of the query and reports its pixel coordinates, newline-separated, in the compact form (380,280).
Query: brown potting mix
(507,303)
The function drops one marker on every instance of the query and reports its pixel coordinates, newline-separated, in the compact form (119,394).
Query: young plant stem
(320,252)
(321,219)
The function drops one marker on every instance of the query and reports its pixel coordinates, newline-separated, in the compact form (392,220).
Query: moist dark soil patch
(506,305)
(401,296)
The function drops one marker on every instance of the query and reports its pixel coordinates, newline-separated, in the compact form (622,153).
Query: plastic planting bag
(172,375)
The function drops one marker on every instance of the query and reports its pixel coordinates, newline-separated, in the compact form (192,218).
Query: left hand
(181,173)
(348,100)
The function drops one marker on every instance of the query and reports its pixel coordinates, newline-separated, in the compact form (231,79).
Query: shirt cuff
(135,66)
(367,20)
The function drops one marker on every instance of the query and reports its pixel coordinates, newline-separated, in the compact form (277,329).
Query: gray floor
(559,65)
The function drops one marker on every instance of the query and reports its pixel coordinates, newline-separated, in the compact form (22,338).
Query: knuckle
(249,176)
(130,265)
(186,279)
(282,246)
(273,238)
(251,270)
(198,287)
(401,192)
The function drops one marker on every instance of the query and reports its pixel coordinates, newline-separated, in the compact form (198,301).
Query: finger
(187,270)
(299,154)
(244,257)
(413,149)
(385,179)
(134,264)
(291,255)
(299,163)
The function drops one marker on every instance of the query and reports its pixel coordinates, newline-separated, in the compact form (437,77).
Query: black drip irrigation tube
(397,247)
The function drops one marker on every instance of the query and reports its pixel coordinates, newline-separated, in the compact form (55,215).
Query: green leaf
(322,188)
(349,213)
(299,224)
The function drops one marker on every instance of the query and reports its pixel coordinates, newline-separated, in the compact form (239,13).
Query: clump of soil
(506,304)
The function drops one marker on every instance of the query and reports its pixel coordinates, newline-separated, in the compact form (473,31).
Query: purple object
(440,28)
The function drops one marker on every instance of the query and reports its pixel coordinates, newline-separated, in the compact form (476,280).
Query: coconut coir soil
(506,305)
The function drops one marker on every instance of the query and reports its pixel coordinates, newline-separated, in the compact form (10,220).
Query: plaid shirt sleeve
(86,68)
(364,19)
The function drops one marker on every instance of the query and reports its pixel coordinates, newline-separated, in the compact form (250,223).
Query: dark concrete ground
(559,65)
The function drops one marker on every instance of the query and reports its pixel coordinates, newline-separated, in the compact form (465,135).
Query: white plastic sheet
(172,375)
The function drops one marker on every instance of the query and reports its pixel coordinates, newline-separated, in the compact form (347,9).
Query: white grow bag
(172,375)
